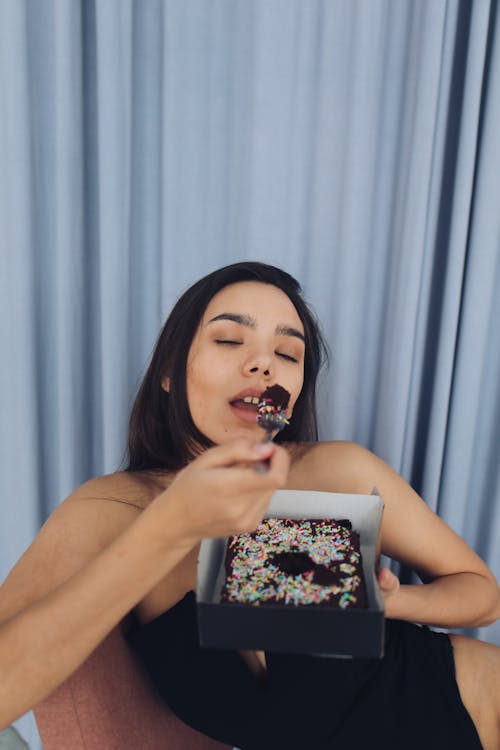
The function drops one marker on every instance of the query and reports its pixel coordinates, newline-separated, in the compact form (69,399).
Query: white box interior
(364,512)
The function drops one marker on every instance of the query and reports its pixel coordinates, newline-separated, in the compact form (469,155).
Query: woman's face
(249,338)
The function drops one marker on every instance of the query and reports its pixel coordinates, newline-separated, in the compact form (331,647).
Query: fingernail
(261,449)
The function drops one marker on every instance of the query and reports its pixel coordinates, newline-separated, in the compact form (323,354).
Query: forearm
(453,601)
(47,641)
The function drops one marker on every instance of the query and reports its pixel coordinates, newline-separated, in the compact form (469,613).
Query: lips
(254,392)
(239,403)
(243,409)
(246,412)
(246,404)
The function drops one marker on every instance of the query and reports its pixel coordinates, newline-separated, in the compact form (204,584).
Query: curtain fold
(143,144)
(470,486)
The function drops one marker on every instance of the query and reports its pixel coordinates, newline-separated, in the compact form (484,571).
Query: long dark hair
(162,434)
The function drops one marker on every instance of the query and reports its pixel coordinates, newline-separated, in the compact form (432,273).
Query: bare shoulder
(334,466)
(411,532)
(128,488)
(84,524)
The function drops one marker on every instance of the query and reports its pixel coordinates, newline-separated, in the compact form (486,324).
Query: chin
(249,433)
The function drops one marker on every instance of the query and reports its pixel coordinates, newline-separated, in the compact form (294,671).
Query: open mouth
(247,407)
(269,409)
(249,403)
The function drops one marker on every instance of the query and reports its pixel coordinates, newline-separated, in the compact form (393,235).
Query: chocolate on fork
(272,415)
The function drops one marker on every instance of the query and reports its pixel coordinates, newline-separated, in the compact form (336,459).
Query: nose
(256,368)
(259,363)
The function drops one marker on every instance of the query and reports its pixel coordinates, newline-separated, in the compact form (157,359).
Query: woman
(130,540)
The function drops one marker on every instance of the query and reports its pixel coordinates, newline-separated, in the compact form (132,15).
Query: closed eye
(231,342)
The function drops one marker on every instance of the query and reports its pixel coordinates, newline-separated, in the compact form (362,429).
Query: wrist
(455,601)
(407,603)
(166,526)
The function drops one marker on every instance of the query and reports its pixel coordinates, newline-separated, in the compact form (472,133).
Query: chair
(108,704)
(10,740)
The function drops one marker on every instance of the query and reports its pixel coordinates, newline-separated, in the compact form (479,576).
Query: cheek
(291,407)
(295,395)
(199,389)
(194,396)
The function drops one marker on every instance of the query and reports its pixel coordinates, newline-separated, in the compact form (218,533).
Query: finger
(385,578)
(264,465)
(279,465)
(242,475)
(388,582)
(237,451)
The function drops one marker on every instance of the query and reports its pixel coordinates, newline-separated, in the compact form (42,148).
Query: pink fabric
(108,704)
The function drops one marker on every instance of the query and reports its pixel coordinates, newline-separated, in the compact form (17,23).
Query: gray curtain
(355,144)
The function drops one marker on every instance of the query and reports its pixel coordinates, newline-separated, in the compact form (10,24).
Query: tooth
(255,400)
(248,400)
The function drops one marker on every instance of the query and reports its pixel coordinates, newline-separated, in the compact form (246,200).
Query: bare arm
(41,645)
(459,589)
(89,582)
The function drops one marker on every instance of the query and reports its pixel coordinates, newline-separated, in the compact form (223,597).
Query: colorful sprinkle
(254,579)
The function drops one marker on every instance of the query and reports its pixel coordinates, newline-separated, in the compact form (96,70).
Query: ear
(165,384)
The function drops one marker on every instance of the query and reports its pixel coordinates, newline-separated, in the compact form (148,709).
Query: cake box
(320,631)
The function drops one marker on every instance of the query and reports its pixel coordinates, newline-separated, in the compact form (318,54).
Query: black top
(407,700)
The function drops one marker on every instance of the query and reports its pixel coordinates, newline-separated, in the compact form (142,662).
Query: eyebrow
(246,320)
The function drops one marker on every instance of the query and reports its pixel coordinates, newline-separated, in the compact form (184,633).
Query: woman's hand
(221,493)
(389,586)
